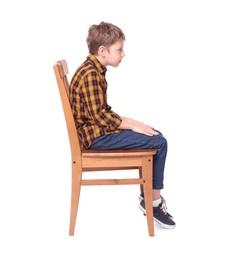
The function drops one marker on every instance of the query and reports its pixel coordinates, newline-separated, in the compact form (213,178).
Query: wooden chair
(95,160)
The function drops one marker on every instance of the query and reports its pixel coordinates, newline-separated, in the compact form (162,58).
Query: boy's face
(114,54)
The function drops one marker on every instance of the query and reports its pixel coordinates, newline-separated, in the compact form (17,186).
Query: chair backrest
(61,71)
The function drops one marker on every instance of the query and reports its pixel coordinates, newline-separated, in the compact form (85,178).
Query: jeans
(128,139)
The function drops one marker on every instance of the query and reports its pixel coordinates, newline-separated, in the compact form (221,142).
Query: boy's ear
(101,51)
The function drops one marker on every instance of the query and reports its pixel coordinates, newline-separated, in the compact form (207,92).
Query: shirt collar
(97,64)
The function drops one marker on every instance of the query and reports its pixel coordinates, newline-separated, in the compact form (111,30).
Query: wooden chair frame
(95,160)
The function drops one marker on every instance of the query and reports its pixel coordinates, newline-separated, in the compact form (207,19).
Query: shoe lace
(164,207)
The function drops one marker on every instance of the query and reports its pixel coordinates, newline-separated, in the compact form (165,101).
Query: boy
(99,127)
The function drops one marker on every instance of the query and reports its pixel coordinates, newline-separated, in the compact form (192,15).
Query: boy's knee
(163,142)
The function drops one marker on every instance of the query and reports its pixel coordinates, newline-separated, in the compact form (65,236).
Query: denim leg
(128,139)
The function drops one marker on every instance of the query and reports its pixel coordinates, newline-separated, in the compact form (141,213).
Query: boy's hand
(136,126)
(144,129)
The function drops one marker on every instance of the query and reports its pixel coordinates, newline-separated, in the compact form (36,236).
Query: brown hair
(105,34)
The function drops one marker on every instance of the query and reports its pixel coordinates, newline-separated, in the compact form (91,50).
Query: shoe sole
(157,221)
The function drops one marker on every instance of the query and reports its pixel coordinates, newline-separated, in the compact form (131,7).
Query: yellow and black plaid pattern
(88,98)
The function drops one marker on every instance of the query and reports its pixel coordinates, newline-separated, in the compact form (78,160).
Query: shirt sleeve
(95,98)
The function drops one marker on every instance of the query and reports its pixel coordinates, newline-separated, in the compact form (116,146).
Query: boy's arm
(101,113)
(136,126)
(95,100)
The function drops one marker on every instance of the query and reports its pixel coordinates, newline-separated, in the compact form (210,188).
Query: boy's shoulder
(91,65)
(83,71)
(85,68)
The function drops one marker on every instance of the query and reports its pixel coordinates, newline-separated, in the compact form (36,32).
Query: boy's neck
(101,60)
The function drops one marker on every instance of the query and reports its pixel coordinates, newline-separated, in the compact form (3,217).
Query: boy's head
(103,34)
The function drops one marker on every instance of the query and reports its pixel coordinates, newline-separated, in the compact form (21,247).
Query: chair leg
(140,176)
(147,176)
(75,195)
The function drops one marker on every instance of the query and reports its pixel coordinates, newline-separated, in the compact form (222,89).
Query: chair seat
(117,153)
(115,158)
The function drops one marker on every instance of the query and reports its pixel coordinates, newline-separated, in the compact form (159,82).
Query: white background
(172,78)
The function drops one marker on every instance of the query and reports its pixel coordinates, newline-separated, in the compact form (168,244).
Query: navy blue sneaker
(141,197)
(160,214)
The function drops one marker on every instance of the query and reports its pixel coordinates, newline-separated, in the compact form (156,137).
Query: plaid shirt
(88,98)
